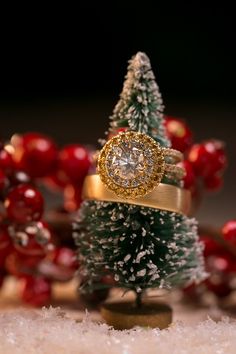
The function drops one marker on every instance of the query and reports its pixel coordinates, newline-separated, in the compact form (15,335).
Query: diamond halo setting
(131,164)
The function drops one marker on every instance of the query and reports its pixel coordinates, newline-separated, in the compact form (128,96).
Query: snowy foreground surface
(50,331)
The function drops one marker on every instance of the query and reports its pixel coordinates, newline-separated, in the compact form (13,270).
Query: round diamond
(128,164)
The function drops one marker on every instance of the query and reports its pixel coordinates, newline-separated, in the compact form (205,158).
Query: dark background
(62,71)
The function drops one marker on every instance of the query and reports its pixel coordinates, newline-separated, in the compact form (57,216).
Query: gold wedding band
(163,197)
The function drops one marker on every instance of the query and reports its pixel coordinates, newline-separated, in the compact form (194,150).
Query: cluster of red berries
(28,246)
(220,259)
(204,162)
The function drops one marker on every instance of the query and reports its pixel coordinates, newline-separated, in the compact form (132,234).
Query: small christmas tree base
(126,315)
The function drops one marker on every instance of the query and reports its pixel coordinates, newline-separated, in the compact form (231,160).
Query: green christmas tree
(140,106)
(140,247)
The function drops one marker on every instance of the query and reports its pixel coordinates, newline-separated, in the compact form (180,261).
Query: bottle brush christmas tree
(133,225)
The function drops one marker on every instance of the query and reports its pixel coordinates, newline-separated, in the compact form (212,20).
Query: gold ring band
(175,156)
(175,170)
(164,196)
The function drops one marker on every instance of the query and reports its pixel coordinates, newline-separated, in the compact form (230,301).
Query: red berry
(229,232)
(31,262)
(32,239)
(35,153)
(5,244)
(20,265)
(61,269)
(62,264)
(2,213)
(72,198)
(213,183)
(198,157)
(193,292)
(36,291)
(5,239)
(190,289)
(208,158)
(24,203)
(219,285)
(65,257)
(179,133)
(210,246)
(2,180)
(6,162)
(74,162)
(219,263)
(190,177)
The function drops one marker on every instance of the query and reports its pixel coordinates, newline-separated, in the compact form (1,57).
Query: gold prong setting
(131,164)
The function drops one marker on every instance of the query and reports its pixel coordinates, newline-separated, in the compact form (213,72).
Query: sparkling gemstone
(128,161)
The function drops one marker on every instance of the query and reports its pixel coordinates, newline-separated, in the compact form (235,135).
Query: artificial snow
(50,331)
